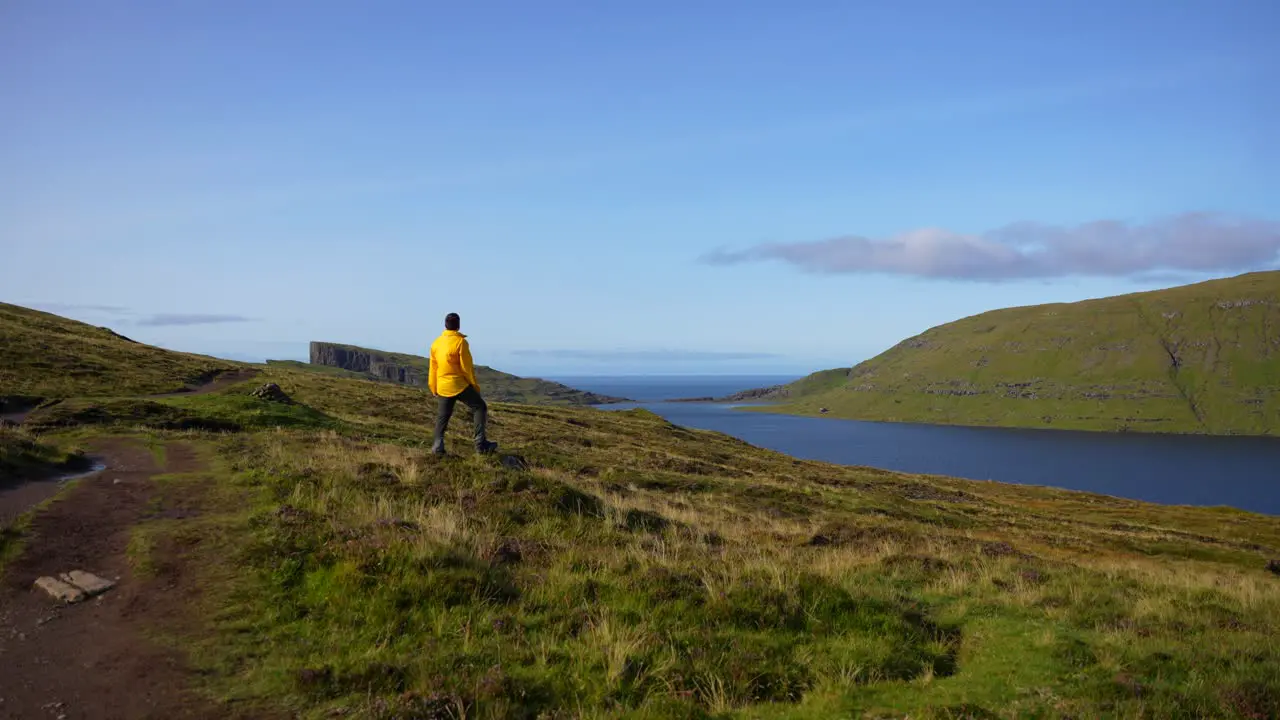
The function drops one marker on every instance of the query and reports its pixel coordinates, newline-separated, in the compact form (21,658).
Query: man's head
(452,321)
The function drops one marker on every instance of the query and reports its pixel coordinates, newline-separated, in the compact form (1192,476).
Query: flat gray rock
(61,590)
(88,582)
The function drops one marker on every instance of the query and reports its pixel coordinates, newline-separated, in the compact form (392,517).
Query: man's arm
(468,368)
(431,370)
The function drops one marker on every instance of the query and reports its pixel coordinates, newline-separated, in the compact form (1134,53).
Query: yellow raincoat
(451,369)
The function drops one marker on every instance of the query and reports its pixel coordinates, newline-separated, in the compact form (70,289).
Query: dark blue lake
(1239,472)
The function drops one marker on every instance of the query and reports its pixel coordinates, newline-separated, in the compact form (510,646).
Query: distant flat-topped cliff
(408,369)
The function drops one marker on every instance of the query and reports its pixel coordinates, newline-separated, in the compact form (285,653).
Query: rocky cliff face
(395,368)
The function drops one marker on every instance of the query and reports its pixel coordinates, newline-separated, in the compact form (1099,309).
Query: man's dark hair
(452,321)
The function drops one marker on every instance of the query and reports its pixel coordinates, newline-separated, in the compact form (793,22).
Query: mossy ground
(640,569)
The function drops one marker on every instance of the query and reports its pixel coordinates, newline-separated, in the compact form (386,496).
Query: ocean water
(657,388)
(1240,472)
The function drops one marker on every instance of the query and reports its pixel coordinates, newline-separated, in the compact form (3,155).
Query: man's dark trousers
(444,410)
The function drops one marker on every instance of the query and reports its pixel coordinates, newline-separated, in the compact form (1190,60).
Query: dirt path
(218,383)
(92,659)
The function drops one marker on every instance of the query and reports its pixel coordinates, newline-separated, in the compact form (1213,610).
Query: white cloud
(1192,242)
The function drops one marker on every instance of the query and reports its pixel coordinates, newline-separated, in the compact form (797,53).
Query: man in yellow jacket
(452,378)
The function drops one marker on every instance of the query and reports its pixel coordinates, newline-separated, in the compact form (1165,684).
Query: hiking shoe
(486,447)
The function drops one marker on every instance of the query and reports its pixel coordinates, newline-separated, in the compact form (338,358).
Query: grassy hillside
(412,370)
(1202,358)
(47,356)
(636,569)
(630,568)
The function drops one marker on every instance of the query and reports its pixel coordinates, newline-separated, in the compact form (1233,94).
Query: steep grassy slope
(412,370)
(1202,358)
(639,569)
(47,356)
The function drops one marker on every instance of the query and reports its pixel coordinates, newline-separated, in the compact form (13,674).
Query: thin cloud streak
(165,319)
(1191,242)
(645,355)
(56,307)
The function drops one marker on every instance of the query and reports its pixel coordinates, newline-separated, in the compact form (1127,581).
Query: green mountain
(408,369)
(306,556)
(1201,358)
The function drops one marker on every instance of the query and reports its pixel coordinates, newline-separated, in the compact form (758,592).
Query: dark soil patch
(93,659)
(509,552)
(645,521)
(845,534)
(1032,576)
(920,491)
(373,474)
(924,563)
(1000,549)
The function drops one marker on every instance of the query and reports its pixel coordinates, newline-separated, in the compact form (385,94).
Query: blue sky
(656,187)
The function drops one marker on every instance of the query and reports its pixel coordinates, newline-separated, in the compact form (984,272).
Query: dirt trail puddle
(20,497)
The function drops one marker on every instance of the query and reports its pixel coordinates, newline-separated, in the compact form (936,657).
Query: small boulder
(514,462)
(88,582)
(60,590)
(271,392)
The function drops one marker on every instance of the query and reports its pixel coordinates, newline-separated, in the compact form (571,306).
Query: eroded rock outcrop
(387,366)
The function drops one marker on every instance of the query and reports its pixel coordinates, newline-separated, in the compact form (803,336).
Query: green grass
(1197,359)
(639,569)
(47,356)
